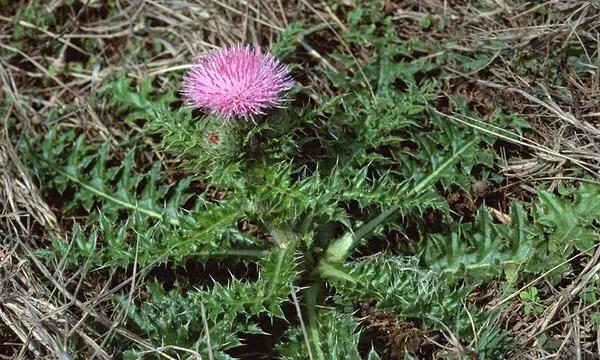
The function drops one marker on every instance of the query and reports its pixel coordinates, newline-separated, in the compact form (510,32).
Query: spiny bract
(238,81)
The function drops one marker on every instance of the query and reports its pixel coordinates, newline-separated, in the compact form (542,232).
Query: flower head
(239,81)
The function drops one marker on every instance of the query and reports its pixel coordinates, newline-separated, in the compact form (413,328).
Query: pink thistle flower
(238,81)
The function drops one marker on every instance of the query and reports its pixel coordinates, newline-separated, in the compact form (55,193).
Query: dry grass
(47,308)
(565,116)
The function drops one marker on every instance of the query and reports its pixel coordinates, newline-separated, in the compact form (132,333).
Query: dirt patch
(393,338)
(10,345)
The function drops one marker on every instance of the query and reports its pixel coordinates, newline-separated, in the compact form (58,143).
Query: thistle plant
(306,236)
(321,187)
(320,197)
(243,82)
